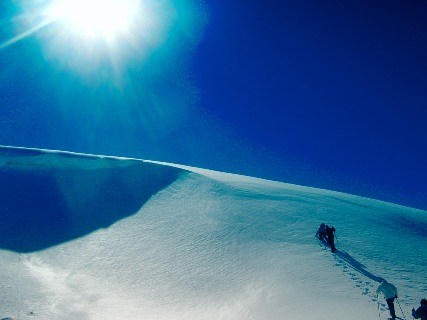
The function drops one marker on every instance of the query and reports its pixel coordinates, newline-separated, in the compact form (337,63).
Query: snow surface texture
(92,237)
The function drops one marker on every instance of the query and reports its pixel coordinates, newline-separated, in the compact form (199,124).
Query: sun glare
(95,18)
(97,39)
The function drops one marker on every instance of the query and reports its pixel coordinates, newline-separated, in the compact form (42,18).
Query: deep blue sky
(339,85)
(329,94)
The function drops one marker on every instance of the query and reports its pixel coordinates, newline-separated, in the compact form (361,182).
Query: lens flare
(105,41)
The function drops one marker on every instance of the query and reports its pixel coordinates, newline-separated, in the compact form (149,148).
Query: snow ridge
(88,237)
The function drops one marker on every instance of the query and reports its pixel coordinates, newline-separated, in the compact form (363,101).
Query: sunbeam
(26,34)
(85,36)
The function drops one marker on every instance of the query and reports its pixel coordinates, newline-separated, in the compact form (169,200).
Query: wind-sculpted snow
(51,198)
(198,244)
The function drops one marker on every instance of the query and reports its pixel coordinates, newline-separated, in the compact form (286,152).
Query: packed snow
(96,237)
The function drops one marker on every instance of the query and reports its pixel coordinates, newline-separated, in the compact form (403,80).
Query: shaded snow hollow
(93,237)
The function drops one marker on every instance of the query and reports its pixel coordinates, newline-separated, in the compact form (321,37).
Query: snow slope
(93,237)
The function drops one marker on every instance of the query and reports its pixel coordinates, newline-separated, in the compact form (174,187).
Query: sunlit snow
(91,237)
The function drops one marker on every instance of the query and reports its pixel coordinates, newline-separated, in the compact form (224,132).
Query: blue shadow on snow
(42,206)
(352,263)
(356,265)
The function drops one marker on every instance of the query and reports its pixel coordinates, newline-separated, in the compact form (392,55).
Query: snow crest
(90,237)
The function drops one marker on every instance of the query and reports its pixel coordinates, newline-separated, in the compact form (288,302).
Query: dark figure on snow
(390,293)
(321,232)
(330,237)
(421,312)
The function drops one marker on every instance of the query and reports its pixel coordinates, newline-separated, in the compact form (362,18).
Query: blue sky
(338,85)
(328,94)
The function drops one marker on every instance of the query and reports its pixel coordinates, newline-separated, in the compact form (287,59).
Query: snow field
(212,245)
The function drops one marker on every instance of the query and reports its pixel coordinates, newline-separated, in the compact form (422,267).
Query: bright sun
(95,18)
(95,38)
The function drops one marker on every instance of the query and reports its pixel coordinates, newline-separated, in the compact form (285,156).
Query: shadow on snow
(352,263)
(45,205)
(356,265)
